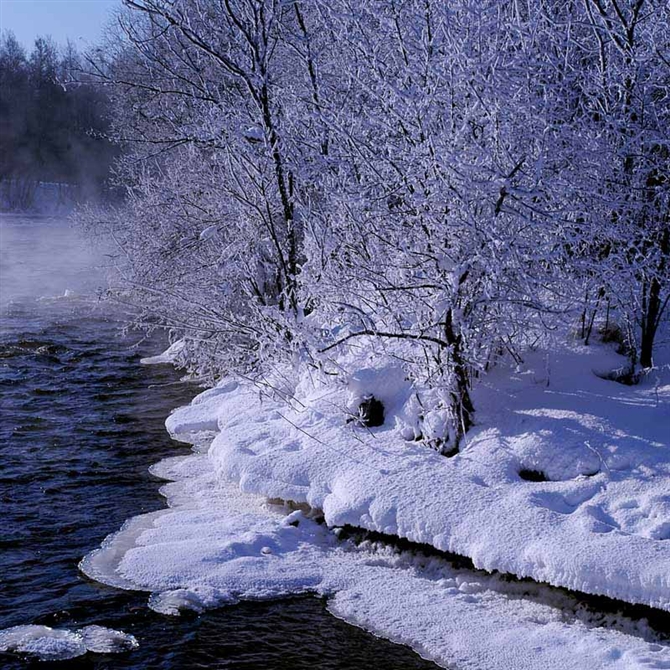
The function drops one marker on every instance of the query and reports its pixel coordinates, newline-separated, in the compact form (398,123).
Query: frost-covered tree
(624,178)
(439,233)
(311,182)
(216,103)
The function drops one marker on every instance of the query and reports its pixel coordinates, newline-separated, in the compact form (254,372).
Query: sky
(81,21)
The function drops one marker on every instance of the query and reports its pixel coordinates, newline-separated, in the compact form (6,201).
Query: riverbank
(599,522)
(81,423)
(596,524)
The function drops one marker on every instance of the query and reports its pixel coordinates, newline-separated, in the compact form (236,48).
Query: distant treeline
(52,123)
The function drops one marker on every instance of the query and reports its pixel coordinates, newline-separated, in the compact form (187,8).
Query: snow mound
(202,415)
(49,644)
(387,383)
(597,521)
(167,357)
(216,545)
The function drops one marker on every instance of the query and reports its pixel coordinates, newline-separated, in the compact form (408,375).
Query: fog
(54,152)
(46,257)
(53,156)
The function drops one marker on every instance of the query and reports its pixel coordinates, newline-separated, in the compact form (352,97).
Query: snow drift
(597,523)
(600,523)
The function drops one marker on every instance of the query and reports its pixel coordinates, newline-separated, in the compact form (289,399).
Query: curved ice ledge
(221,541)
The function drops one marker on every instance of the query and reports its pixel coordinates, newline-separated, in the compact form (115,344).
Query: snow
(254,134)
(202,414)
(50,644)
(596,524)
(216,545)
(101,640)
(168,356)
(208,232)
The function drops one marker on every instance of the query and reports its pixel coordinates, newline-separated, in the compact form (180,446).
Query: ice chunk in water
(196,600)
(103,640)
(45,643)
(50,644)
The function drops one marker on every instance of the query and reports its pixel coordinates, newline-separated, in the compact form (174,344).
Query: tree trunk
(462,406)
(654,306)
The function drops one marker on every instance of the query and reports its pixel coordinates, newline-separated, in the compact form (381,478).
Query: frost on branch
(308,181)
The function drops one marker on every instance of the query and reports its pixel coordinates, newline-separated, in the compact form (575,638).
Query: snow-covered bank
(600,524)
(217,545)
(596,525)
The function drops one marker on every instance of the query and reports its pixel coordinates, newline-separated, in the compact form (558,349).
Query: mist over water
(47,257)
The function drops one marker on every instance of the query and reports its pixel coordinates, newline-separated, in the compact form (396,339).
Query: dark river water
(80,422)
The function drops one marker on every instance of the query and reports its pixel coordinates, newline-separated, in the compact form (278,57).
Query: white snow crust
(217,545)
(168,356)
(51,644)
(600,525)
(596,526)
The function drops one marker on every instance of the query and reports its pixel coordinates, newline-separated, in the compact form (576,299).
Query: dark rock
(627,375)
(371,412)
(448,450)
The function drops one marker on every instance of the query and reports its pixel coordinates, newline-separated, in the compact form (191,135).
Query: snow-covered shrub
(315,186)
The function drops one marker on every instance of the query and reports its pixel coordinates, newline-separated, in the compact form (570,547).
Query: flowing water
(80,423)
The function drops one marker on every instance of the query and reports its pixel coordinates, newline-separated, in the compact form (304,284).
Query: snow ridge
(600,524)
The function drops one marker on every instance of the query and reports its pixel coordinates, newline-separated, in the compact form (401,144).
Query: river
(81,422)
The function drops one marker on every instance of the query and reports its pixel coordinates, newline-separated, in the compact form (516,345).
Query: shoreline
(220,541)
